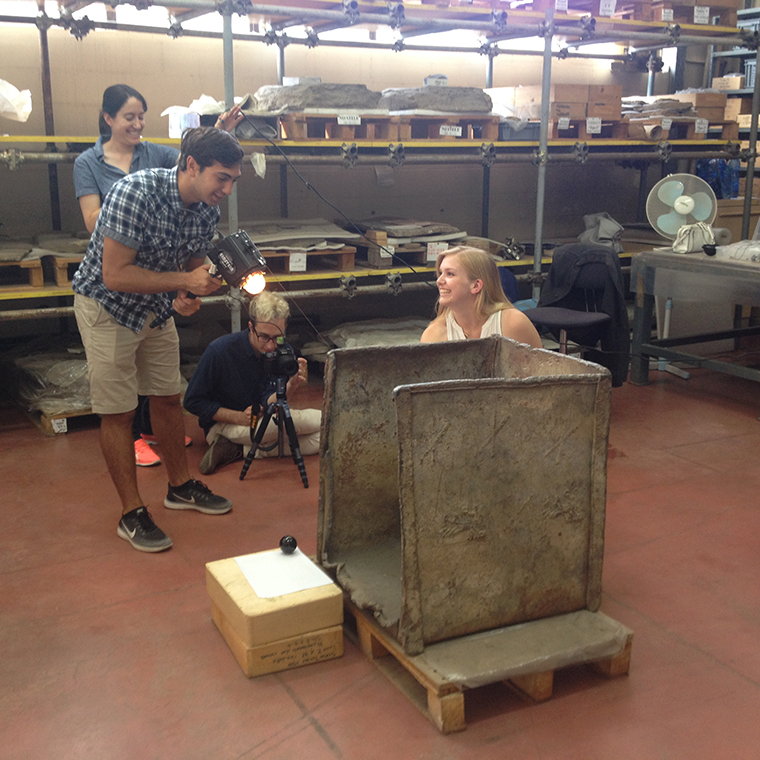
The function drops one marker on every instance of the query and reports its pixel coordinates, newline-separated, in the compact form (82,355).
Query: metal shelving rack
(496,25)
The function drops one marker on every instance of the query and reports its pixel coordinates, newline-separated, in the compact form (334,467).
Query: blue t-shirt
(93,176)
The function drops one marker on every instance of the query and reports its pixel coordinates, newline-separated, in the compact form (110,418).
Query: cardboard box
(744,120)
(700,99)
(728,83)
(267,634)
(604,101)
(713,114)
(559,93)
(609,92)
(305,649)
(259,621)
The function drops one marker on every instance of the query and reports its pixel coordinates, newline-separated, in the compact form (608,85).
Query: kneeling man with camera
(236,376)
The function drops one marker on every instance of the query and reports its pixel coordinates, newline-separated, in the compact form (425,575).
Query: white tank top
(455,332)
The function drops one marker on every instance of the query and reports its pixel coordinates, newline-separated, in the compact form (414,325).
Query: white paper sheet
(275,573)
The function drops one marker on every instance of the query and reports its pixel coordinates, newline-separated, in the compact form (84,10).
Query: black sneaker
(222,451)
(138,528)
(195,495)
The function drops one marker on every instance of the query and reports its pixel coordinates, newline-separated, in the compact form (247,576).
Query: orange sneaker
(152,440)
(144,454)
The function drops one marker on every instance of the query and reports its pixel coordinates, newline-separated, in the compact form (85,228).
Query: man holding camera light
(151,238)
(233,382)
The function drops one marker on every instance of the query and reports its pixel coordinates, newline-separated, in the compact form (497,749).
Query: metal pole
(283,167)
(651,66)
(47,102)
(229,101)
(752,148)
(543,156)
(489,69)
(486,201)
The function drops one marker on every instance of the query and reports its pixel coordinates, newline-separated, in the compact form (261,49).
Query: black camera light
(237,261)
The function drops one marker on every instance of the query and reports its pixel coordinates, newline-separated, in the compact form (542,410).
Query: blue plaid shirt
(144,211)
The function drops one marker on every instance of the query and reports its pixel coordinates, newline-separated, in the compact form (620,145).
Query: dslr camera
(282,361)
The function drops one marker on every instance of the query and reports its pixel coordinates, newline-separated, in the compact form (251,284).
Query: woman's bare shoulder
(515,325)
(435,332)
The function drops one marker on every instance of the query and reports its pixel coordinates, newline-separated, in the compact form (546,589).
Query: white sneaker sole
(197,507)
(121,533)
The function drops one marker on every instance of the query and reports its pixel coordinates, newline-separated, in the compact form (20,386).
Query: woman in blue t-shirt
(120,150)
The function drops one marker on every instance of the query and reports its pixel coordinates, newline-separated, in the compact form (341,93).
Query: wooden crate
(57,424)
(306,126)
(449,127)
(442,700)
(33,269)
(341,259)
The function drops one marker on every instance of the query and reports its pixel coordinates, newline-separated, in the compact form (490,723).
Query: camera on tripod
(282,361)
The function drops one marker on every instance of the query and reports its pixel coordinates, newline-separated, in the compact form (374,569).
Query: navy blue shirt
(93,176)
(229,375)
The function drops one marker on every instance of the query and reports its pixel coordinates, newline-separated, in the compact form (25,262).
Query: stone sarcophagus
(462,485)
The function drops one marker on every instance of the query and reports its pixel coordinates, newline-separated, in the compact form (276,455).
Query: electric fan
(680,199)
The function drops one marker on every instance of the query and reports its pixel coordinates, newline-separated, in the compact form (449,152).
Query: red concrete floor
(111,653)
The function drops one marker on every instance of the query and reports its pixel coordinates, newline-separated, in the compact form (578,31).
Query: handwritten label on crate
(607,7)
(349,119)
(59,426)
(667,14)
(433,249)
(387,251)
(560,5)
(701,126)
(563,122)
(594,125)
(666,124)
(450,130)
(701,14)
(297,262)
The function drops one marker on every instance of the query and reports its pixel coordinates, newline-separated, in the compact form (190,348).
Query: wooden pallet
(376,252)
(33,268)
(57,424)
(61,268)
(306,126)
(449,127)
(577,130)
(440,700)
(341,259)
(680,129)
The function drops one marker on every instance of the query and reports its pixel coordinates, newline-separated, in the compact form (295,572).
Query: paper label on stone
(667,14)
(387,251)
(349,119)
(667,124)
(701,126)
(449,130)
(594,125)
(701,14)
(274,573)
(563,122)
(297,262)
(607,7)
(560,5)
(433,249)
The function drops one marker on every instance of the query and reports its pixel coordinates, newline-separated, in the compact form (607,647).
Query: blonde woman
(471,301)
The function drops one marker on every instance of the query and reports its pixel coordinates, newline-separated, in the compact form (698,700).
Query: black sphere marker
(288,544)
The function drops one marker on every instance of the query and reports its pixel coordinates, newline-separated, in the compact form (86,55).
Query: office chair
(583,301)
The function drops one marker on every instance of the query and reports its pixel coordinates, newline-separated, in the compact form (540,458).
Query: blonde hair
(268,306)
(478,265)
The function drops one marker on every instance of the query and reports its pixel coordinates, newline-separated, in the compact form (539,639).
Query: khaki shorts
(122,363)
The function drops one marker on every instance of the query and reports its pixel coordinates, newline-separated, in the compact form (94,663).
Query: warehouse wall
(170,72)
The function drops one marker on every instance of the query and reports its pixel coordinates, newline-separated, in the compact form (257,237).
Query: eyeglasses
(264,337)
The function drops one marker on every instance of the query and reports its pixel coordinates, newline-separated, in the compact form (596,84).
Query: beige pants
(306,421)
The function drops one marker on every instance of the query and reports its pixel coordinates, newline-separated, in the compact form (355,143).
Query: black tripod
(281,411)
